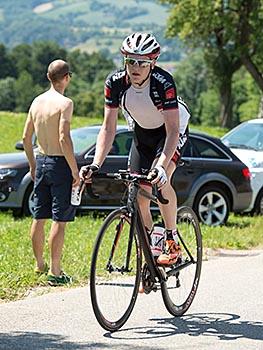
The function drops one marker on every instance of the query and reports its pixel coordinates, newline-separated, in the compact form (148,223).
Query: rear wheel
(212,206)
(115,271)
(183,278)
(258,208)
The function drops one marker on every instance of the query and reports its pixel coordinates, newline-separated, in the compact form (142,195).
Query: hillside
(90,25)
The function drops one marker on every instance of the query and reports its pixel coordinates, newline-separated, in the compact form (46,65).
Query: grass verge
(17,263)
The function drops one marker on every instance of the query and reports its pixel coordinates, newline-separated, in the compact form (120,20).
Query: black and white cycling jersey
(144,105)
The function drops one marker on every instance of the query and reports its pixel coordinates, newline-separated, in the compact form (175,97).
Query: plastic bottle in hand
(76,193)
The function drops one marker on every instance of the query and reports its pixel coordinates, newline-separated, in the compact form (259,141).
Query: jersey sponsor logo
(182,140)
(159,77)
(170,93)
(167,85)
(118,75)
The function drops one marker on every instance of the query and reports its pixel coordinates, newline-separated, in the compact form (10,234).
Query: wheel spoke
(210,197)
(203,208)
(219,216)
(219,203)
(209,219)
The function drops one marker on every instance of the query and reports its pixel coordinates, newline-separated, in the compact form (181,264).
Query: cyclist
(147,95)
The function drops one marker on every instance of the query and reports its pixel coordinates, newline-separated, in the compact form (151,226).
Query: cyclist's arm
(106,135)
(171,119)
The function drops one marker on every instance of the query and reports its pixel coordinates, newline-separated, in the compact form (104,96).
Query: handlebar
(130,178)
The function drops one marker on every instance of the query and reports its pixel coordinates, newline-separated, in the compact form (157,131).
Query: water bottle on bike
(157,240)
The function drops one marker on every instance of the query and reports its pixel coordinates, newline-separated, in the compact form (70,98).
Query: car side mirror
(19,146)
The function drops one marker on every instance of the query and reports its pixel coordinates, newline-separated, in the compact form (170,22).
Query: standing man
(147,94)
(54,170)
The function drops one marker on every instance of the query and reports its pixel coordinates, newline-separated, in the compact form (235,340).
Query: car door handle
(186,163)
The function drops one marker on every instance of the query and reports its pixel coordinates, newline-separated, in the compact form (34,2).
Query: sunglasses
(141,63)
(68,73)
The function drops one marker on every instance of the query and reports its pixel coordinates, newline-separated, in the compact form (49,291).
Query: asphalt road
(226,314)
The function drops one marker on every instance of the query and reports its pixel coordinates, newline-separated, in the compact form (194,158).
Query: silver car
(246,142)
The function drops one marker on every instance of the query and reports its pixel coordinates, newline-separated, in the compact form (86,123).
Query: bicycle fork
(119,230)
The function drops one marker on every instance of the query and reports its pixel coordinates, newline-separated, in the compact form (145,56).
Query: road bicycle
(122,259)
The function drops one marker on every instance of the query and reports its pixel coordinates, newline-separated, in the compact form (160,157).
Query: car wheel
(212,206)
(258,208)
(28,204)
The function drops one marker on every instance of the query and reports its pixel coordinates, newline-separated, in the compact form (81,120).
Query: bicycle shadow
(224,326)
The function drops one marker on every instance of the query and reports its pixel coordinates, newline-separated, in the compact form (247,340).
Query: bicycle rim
(114,283)
(180,288)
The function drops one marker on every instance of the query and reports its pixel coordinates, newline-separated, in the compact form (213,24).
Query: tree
(90,67)
(227,31)
(6,64)
(7,94)
(22,58)
(43,53)
(26,91)
(191,80)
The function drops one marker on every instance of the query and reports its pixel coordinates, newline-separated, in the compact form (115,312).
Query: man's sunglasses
(141,63)
(68,73)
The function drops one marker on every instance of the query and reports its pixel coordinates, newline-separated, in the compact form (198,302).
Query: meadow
(17,278)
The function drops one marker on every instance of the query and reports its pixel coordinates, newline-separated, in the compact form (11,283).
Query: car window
(83,138)
(205,149)
(122,144)
(247,135)
(189,151)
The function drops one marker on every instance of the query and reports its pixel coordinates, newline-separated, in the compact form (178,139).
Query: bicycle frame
(137,224)
(129,241)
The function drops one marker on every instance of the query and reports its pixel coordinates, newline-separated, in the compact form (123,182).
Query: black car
(213,181)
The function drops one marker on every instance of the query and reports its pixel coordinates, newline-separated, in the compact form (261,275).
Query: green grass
(12,125)
(16,258)
(17,262)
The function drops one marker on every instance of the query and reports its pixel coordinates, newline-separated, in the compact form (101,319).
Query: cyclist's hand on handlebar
(86,172)
(158,176)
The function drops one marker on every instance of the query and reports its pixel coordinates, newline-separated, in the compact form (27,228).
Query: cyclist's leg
(168,211)
(144,205)
(140,162)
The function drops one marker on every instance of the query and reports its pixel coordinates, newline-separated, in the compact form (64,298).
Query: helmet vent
(138,40)
(147,45)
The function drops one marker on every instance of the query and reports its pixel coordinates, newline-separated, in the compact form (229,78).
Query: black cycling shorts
(148,145)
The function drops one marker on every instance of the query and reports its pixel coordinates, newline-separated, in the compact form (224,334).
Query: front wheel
(115,271)
(28,202)
(183,278)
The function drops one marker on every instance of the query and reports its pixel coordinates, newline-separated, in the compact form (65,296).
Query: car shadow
(223,326)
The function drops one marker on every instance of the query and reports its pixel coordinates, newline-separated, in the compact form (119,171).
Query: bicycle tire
(179,290)
(113,290)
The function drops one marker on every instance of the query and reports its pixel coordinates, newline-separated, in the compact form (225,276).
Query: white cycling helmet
(141,44)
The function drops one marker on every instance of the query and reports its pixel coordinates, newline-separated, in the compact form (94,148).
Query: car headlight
(7,173)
